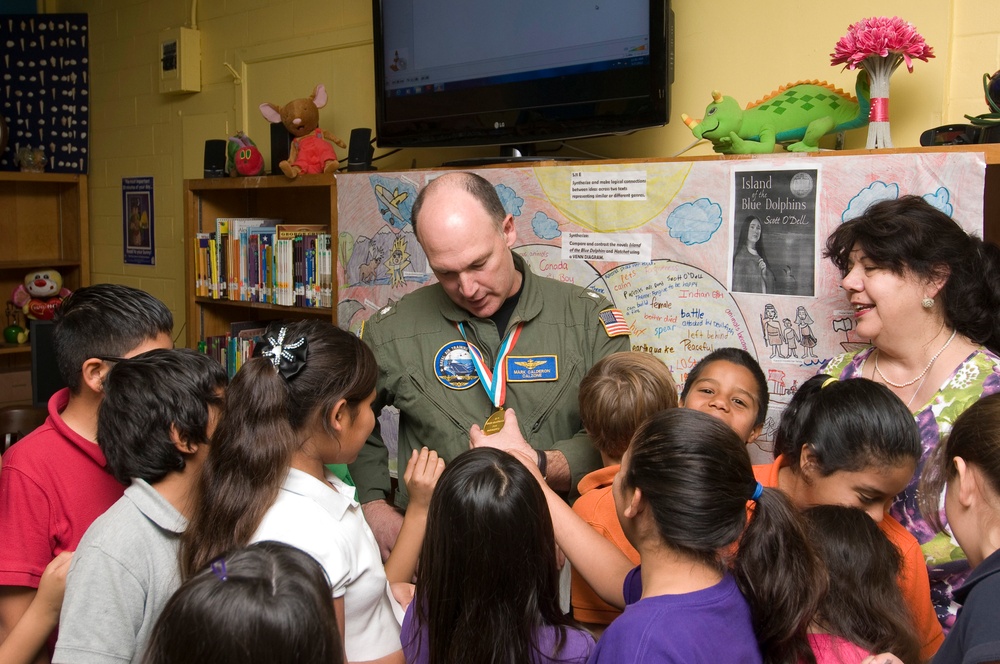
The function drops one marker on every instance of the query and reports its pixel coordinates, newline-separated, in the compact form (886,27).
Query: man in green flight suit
(488,334)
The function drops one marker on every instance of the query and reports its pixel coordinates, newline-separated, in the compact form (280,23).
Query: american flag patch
(614,322)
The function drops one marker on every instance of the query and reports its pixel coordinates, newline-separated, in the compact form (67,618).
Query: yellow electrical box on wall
(180,61)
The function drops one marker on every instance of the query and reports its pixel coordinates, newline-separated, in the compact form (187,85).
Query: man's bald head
(475,185)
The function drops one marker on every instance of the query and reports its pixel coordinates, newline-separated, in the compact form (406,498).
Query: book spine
(213,249)
(298,272)
(309,281)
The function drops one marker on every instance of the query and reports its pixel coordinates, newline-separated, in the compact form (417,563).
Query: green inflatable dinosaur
(799,114)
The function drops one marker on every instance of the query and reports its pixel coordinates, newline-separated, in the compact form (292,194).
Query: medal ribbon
(495,381)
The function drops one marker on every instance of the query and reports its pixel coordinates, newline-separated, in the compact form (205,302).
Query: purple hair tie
(219,568)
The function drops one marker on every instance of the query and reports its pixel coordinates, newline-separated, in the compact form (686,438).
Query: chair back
(16,422)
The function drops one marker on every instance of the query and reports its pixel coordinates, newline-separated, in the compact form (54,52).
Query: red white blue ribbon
(495,380)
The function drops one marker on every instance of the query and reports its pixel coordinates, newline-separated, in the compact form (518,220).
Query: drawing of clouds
(873,193)
(545,226)
(695,223)
(941,200)
(511,201)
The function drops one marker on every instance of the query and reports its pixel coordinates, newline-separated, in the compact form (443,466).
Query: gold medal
(493,423)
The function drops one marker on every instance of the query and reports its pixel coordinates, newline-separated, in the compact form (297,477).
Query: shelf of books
(261,249)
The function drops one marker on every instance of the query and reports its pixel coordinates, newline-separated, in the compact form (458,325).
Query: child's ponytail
(781,578)
(241,477)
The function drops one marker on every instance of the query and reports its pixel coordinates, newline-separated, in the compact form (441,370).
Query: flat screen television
(457,73)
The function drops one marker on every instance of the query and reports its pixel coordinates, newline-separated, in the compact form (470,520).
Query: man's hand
(508,439)
(385,522)
(421,476)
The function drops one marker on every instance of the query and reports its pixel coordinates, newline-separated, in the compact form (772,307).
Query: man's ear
(509,231)
(92,374)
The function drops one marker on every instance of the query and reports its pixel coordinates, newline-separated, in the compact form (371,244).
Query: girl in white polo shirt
(304,402)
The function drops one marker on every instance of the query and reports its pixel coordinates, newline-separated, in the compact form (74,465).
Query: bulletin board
(666,243)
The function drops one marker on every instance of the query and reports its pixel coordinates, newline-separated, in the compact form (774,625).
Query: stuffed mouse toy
(312,149)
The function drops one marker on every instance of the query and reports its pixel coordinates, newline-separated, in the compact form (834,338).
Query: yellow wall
(281,48)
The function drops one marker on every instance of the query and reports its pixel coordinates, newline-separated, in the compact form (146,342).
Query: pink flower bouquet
(879,45)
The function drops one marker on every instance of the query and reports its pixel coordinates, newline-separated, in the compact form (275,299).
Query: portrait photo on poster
(773,231)
(137,221)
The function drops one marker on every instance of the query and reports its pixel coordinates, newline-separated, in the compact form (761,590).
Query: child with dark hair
(616,395)
(154,424)
(54,481)
(303,402)
(966,467)
(488,585)
(681,495)
(862,611)
(267,603)
(854,443)
(729,384)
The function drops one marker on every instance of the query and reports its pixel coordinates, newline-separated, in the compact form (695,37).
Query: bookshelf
(44,220)
(306,200)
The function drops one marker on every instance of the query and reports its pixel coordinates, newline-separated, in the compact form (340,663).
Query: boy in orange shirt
(616,395)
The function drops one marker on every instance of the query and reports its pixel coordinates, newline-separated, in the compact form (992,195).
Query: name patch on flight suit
(532,368)
(453,366)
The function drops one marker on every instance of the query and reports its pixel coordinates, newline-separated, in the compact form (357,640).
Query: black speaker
(215,158)
(360,150)
(281,143)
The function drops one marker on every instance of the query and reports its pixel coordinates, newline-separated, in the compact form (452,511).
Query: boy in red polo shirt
(53,483)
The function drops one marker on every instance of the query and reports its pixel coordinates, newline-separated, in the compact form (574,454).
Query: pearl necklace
(922,373)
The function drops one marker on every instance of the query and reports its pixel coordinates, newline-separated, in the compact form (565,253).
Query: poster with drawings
(659,243)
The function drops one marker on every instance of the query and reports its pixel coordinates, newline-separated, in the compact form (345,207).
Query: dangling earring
(927,303)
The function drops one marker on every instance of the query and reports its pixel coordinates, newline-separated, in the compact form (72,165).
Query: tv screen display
(475,73)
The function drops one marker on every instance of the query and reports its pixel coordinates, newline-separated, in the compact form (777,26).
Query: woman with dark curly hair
(927,295)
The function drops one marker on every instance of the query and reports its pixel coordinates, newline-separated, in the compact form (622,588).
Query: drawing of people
(791,338)
(751,271)
(772,330)
(806,337)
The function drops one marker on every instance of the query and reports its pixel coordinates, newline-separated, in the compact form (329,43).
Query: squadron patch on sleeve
(614,322)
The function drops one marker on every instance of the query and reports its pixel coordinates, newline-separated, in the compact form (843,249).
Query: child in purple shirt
(487,589)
